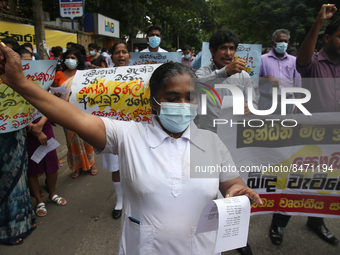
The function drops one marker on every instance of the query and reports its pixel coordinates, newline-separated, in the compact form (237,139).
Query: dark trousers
(281,220)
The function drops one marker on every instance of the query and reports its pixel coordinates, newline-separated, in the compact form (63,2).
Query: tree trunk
(13,7)
(39,28)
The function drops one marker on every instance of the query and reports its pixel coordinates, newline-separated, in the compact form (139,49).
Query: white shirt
(158,190)
(211,75)
(159,50)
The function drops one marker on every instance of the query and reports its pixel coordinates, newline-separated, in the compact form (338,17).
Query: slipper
(76,173)
(94,171)
(42,209)
(58,200)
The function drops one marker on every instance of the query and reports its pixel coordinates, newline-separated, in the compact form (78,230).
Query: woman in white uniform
(162,204)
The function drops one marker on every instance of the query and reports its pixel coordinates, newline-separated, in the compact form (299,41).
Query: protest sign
(251,53)
(292,161)
(120,93)
(144,58)
(15,111)
(24,33)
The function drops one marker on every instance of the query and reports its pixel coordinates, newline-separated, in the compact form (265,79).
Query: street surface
(85,225)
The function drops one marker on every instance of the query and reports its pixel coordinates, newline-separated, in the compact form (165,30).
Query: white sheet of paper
(230,217)
(42,150)
(61,90)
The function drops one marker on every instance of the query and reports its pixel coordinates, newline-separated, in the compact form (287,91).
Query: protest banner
(144,58)
(251,53)
(292,161)
(120,93)
(24,33)
(15,111)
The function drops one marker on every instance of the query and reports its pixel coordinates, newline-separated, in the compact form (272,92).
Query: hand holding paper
(230,217)
(237,190)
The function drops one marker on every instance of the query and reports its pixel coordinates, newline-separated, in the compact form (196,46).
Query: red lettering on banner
(69,5)
(294,203)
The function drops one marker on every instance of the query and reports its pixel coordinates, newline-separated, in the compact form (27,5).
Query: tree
(256,20)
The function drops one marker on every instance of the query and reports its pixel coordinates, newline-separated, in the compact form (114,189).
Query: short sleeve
(115,131)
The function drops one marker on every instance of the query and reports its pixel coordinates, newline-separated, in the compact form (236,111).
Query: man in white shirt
(154,39)
(224,69)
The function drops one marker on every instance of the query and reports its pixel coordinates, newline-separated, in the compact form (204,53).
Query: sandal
(20,241)
(94,170)
(76,173)
(59,200)
(41,210)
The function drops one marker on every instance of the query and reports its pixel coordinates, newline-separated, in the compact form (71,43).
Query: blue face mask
(154,41)
(92,52)
(71,63)
(187,56)
(281,47)
(176,117)
(136,50)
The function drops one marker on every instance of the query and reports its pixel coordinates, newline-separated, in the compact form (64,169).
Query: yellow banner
(15,111)
(25,33)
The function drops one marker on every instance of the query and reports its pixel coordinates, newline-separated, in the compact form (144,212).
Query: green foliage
(192,22)
(256,20)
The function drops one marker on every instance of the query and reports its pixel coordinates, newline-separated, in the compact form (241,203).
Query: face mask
(176,117)
(281,47)
(154,41)
(92,52)
(71,63)
(136,50)
(99,51)
(187,56)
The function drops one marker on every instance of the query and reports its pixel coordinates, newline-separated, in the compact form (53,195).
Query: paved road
(85,226)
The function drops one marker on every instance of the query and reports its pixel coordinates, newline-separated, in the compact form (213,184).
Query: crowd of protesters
(19,174)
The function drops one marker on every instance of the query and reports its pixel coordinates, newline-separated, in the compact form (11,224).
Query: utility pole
(39,28)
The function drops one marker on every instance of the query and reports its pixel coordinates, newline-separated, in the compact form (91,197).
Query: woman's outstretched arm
(88,127)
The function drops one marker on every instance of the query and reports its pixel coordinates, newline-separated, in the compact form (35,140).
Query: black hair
(70,43)
(81,61)
(28,45)
(332,27)
(80,48)
(291,49)
(115,45)
(186,47)
(153,28)
(56,51)
(92,45)
(11,41)
(162,74)
(223,36)
(22,50)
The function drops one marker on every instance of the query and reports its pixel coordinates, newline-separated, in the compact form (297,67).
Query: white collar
(156,135)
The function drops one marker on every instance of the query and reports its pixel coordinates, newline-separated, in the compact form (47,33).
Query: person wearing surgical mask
(95,60)
(162,200)
(153,39)
(277,70)
(80,155)
(187,57)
